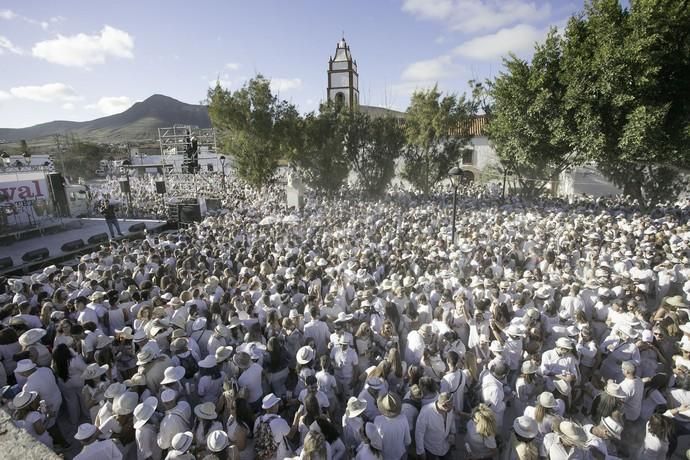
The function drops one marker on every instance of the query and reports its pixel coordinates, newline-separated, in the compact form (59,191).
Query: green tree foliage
(255,127)
(433,141)
(528,125)
(320,160)
(371,146)
(24,147)
(628,78)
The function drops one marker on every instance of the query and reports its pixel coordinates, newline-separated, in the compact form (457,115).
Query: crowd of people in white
(546,330)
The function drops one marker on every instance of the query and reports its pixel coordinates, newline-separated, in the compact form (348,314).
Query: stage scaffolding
(175,140)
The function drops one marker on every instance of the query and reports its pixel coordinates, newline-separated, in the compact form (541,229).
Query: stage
(65,242)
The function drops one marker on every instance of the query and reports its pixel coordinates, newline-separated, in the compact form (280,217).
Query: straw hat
(25,365)
(496,347)
(269,401)
(179,344)
(627,330)
(243,360)
(181,442)
(373,435)
(23,399)
(305,355)
(145,356)
(355,407)
(562,386)
(144,411)
(614,389)
(223,353)
(343,318)
(573,432)
(525,427)
(515,330)
(125,403)
(31,336)
(613,427)
(389,404)
(94,371)
(206,411)
(208,362)
(114,390)
(85,431)
(217,441)
(375,382)
(547,400)
(564,342)
(173,374)
(125,333)
(529,367)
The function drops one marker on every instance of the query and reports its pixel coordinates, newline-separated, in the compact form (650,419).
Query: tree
(24,147)
(627,74)
(321,160)
(432,144)
(255,127)
(528,126)
(371,146)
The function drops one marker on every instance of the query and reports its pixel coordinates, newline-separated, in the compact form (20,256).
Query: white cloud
(112,104)
(6,45)
(489,47)
(232,65)
(84,50)
(285,84)
(7,14)
(478,15)
(4,95)
(50,92)
(434,69)
(68,106)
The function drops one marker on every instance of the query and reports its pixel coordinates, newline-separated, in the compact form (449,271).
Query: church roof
(342,51)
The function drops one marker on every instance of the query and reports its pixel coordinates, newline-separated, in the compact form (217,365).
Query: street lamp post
(454,174)
(222,168)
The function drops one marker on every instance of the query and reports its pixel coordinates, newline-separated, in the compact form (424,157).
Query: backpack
(190,366)
(265,445)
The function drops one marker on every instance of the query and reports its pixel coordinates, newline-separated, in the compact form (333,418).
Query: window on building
(467,157)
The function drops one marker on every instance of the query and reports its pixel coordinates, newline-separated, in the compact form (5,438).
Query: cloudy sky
(76,60)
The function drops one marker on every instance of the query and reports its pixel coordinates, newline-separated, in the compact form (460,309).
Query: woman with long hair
(315,447)
(371,447)
(68,367)
(480,439)
(547,413)
(527,386)
(240,423)
(363,345)
(275,365)
(657,437)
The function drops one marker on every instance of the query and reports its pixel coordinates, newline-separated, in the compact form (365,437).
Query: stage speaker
(57,185)
(98,238)
(190,213)
(160,187)
(124,186)
(6,262)
(73,245)
(36,255)
(140,227)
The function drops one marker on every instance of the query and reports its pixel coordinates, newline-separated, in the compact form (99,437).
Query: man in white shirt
(560,363)
(345,362)
(392,427)
(492,390)
(435,430)
(633,388)
(317,330)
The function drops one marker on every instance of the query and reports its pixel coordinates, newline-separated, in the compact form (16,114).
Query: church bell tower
(343,84)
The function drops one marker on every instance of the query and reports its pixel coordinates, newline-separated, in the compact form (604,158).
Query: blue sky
(79,60)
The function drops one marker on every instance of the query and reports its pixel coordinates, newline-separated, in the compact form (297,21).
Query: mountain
(139,123)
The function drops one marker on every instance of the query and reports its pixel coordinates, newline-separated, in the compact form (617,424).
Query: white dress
(28,425)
